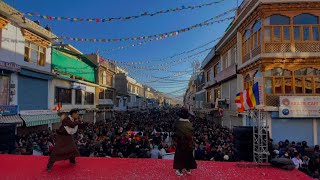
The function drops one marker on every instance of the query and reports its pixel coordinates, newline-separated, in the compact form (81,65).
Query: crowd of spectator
(137,135)
(305,158)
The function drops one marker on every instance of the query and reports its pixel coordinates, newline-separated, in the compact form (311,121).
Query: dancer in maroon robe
(183,158)
(65,147)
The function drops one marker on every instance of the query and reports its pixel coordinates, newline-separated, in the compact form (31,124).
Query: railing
(291,38)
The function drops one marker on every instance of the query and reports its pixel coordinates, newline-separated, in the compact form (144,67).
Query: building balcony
(227,73)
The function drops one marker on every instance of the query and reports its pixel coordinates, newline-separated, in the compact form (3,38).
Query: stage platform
(33,167)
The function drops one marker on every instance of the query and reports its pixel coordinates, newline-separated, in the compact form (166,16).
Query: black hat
(76,110)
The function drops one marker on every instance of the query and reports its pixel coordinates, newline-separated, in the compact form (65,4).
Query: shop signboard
(299,107)
(9,110)
(10,66)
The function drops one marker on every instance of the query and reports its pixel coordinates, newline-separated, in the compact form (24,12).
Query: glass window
(286,33)
(78,96)
(308,85)
(89,98)
(109,94)
(208,96)
(63,95)
(267,34)
(208,75)
(306,33)
(276,34)
(34,54)
(247,34)
(257,26)
(288,86)
(298,85)
(104,78)
(4,90)
(315,34)
(277,20)
(317,85)
(278,85)
(269,89)
(101,93)
(305,19)
(297,36)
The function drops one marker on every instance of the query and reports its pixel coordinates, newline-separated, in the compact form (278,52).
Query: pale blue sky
(154,50)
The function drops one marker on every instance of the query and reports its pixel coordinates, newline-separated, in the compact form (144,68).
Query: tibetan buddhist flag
(248,99)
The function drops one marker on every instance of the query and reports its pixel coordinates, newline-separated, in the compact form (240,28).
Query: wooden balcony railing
(282,39)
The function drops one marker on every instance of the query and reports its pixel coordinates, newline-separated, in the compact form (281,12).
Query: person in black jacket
(184,158)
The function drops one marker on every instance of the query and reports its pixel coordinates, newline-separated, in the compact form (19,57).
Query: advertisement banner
(9,110)
(299,106)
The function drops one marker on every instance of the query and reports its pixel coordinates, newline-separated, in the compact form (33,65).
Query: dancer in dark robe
(183,158)
(65,147)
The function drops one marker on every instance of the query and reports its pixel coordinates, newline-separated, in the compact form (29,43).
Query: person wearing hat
(65,147)
(184,158)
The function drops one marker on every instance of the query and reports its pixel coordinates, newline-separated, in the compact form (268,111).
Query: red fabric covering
(32,167)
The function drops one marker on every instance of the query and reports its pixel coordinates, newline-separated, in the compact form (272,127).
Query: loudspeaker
(243,143)
(7,137)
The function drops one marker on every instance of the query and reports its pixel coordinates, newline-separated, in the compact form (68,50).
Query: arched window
(247,34)
(277,19)
(257,26)
(274,31)
(279,81)
(104,78)
(256,34)
(306,79)
(307,20)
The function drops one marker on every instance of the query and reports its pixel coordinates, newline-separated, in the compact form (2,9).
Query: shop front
(298,119)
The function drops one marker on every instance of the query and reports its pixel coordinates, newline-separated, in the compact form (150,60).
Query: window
(216,70)
(256,34)
(89,98)
(217,93)
(233,58)
(225,60)
(101,93)
(305,19)
(277,19)
(109,94)
(129,88)
(34,54)
(4,90)
(304,31)
(208,96)
(63,95)
(302,81)
(78,96)
(109,80)
(104,78)
(209,75)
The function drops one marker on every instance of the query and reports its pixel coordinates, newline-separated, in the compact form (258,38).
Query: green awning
(36,120)
(68,62)
(15,119)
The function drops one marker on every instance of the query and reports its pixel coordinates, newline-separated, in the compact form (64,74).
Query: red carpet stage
(33,167)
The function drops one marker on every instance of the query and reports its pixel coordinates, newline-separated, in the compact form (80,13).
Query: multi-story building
(105,93)
(277,44)
(129,92)
(151,98)
(25,66)
(74,84)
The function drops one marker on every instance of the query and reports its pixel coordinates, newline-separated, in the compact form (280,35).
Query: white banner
(299,106)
